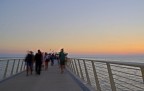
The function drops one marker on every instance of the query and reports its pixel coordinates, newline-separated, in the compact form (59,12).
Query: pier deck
(50,80)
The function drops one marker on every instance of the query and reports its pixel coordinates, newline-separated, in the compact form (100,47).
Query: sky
(78,26)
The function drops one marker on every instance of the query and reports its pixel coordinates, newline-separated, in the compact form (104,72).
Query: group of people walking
(41,60)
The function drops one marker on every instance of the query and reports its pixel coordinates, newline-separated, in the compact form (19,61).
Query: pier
(79,75)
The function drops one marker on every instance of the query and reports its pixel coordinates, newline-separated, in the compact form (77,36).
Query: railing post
(13,67)
(142,71)
(21,66)
(68,62)
(76,67)
(6,69)
(24,66)
(69,65)
(80,70)
(17,66)
(86,71)
(112,83)
(96,77)
(73,67)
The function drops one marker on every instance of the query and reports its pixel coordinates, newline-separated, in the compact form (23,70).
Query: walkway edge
(7,78)
(80,82)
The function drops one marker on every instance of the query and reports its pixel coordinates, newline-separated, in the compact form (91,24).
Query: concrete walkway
(51,80)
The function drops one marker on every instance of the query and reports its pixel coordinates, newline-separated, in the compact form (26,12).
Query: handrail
(126,74)
(10,67)
(134,64)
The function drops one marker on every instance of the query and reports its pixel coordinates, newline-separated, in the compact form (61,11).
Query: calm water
(122,58)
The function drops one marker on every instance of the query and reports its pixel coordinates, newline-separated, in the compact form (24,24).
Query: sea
(124,58)
(138,58)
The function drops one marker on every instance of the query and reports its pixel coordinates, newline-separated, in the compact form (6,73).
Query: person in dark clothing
(38,62)
(29,62)
(62,58)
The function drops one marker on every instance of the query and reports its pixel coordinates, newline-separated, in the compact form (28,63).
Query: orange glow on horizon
(90,52)
(107,50)
(79,49)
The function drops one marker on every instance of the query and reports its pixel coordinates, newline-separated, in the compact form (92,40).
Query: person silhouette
(38,62)
(62,59)
(29,62)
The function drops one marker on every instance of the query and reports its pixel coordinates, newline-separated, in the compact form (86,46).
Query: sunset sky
(78,26)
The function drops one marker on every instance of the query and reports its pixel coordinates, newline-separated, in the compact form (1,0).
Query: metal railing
(10,67)
(109,75)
